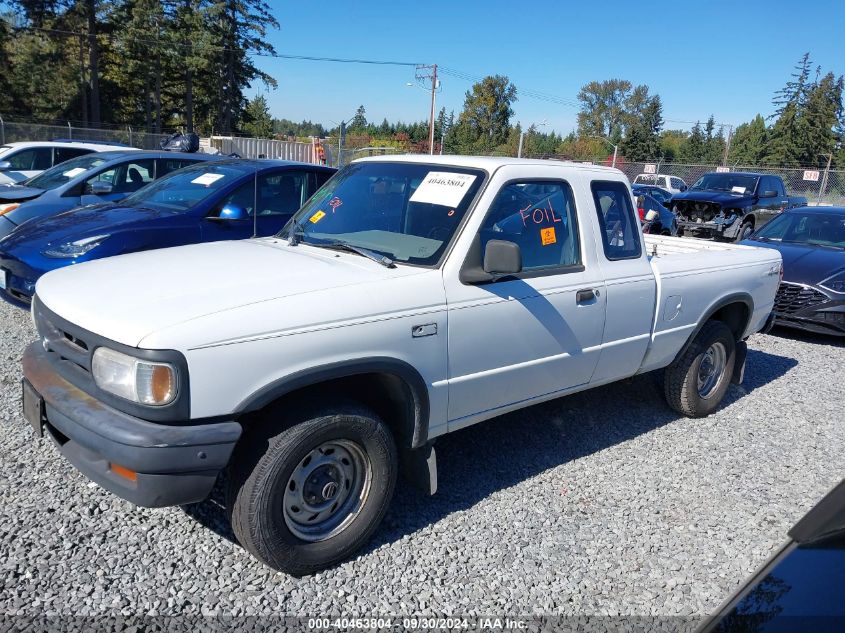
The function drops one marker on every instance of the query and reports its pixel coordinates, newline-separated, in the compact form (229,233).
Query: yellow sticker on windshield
(317,217)
(547,236)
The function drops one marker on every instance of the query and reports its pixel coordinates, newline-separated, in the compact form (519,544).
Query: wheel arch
(391,387)
(734,310)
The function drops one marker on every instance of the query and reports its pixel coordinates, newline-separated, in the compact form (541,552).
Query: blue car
(220,200)
(89,179)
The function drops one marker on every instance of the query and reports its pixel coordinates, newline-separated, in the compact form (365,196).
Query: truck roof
(489,163)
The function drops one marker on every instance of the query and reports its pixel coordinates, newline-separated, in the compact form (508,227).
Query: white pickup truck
(410,297)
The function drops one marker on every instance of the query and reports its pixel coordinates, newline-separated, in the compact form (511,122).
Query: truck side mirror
(502,258)
(682,188)
(5,165)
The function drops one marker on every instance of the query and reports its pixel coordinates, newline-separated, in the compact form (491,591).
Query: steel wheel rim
(711,369)
(327,490)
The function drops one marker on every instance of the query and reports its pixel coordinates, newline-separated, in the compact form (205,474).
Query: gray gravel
(600,503)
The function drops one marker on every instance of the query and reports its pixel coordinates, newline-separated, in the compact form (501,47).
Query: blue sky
(720,57)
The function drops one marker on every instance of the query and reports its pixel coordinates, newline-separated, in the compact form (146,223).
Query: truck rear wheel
(696,382)
(308,497)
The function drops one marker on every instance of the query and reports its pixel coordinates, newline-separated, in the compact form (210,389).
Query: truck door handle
(583,296)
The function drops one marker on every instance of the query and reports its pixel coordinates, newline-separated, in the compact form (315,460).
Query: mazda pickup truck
(410,297)
(731,205)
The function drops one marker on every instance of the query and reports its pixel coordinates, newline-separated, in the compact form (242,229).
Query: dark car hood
(722,198)
(18,193)
(805,264)
(78,223)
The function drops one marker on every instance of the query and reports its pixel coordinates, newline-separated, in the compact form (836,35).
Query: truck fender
(738,297)
(413,430)
(733,230)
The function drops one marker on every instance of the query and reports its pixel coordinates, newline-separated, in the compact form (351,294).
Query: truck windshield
(733,183)
(408,212)
(64,172)
(810,228)
(184,189)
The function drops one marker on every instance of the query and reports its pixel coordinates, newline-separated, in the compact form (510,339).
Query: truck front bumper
(151,465)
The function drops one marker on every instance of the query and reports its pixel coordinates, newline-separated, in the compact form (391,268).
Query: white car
(410,297)
(20,161)
(672,184)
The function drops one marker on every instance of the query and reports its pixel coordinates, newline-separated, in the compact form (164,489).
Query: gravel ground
(601,503)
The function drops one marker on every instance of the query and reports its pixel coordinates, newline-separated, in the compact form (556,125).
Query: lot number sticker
(443,188)
(206,179)
(547,236)
(317,217)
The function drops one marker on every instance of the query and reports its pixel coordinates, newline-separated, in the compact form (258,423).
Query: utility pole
(423,73)
(823,186)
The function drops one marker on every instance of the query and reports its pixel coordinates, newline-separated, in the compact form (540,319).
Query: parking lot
(605,502)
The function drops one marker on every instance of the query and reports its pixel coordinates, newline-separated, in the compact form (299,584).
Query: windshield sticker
(547,236)
(72,173)
(443,188)
(206,179)
(334,203)
(317,217)
(738,189)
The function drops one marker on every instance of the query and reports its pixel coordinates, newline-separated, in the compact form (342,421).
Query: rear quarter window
(619,226)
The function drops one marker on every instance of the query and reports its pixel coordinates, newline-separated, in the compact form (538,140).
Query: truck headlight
(76,248)
(134,379)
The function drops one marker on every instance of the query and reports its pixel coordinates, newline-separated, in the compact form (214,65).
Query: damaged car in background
(732,205)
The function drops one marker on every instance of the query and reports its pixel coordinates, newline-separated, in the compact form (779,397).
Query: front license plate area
(33,408)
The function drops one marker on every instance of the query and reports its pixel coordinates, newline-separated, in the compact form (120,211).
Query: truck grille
(791,298)
(68,346)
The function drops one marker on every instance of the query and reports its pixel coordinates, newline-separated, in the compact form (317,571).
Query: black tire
(745,231)
(681,378)
(263,469)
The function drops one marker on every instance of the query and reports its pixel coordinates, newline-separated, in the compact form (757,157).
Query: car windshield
(182,190)
(733,183)
(811,228)
(64,172)
(408,212)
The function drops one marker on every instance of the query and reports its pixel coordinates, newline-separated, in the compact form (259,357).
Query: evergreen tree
(694,149)
(359,121)
(257,121)
(748,145)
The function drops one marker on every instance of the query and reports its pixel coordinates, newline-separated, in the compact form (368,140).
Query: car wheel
(309,496)
(696,381)
(745,231)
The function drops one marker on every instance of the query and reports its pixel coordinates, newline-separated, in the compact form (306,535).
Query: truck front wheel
(308,497)
(745,231)
(696,381)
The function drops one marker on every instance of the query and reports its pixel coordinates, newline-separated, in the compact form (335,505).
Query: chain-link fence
(14,131)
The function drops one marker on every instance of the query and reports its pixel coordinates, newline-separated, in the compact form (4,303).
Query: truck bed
(686,271)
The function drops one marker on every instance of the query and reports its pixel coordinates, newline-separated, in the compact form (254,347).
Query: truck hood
(128,297)
(18,193)
(722,198)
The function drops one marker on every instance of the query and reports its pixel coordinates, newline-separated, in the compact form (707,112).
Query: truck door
(630,285)
(530,334)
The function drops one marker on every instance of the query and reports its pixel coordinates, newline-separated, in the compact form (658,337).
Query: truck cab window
(540,218)
(619,232)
